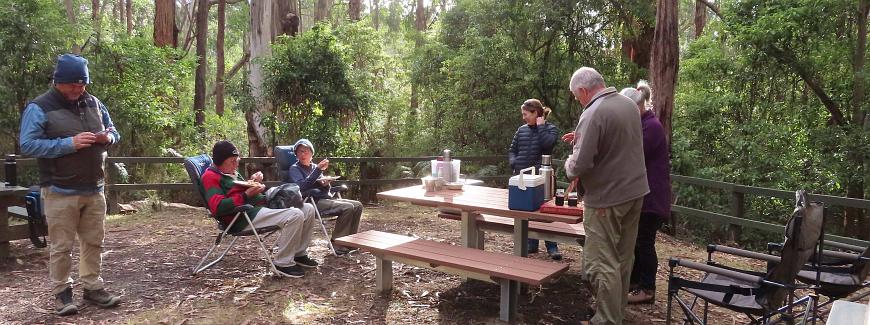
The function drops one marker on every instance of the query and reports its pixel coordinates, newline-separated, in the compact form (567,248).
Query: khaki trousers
(348,218)
(608,257)
(68,216)
(295,234)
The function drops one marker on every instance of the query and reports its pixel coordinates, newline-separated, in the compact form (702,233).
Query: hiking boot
(642,296)
(554,253)
(305,261)
(292,271)
(101,297)
(64,303)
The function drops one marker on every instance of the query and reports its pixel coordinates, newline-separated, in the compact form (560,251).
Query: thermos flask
(10,169)
(549,177)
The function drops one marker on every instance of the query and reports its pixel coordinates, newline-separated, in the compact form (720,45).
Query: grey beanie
(303,142)
(71,68)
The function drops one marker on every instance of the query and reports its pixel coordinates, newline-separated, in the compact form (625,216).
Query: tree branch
(238,66)
(712,7)
(229,2)
(788,59)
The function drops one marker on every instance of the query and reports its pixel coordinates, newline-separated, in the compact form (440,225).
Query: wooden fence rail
(736,220)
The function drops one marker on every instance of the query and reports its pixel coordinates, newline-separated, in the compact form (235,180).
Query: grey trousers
(350,212)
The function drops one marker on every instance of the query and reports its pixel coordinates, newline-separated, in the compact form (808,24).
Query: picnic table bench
(504,269)
(569,233)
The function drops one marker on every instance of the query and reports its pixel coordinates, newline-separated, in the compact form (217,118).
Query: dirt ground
(148,258)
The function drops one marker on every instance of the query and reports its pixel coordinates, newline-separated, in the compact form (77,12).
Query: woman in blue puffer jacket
(534,138)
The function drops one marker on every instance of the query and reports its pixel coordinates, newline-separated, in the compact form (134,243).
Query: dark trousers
(646,262)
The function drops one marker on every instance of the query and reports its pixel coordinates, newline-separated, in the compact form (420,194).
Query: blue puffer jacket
(530,142)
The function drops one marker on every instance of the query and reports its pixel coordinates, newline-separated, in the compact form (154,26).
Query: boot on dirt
(64,303)
(101,297)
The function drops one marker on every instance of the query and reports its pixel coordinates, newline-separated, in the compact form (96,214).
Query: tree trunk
(201,64)
(700,18)
(321,10)
(219,58)
(420,26)
(376,14)
(353,9)
(95,18)
(119,9)
(129,17)
(165,31)
(70,11)
(665,63)
(266,24)
(855,154)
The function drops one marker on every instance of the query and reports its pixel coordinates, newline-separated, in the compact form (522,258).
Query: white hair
(585,77)
(639,95)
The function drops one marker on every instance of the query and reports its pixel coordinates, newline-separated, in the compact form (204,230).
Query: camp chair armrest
(849,247)
(743,253)
(841,258)
(243,208)
(716,270)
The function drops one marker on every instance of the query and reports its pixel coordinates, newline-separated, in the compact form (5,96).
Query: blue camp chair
(286,157)
(195,167)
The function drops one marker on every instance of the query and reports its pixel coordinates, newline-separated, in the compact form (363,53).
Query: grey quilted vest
(85,168)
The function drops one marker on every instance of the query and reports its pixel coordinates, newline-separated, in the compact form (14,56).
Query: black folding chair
(195,167)
(765,297)
(286,157)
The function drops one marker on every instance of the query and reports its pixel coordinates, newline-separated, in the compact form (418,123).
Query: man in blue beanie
(69,132)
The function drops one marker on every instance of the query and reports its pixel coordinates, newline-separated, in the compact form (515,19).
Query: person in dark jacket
(656,204)
(309,178)
(534,138)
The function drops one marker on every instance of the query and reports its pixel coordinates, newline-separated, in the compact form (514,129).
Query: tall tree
(129,11)
(420,27)
(165,31)
(665,62)
(376,14)
(321,10)
(70,11)
(354,7)
(220,64)
(122,13)
(95,18)
(201,63)
(700,18)
(267,20)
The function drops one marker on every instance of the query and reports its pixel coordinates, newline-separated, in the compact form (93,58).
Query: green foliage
(32,34)
(308,80)
(138,82)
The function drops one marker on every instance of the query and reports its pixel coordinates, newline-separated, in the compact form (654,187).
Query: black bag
(284,196)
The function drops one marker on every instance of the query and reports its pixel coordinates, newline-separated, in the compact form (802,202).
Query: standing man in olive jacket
(608,159)
(69,131)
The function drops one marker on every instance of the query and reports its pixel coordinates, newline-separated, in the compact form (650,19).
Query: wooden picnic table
(477,199)
(472,200)
(10,196)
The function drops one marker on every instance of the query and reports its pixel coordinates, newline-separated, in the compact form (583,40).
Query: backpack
(284,196)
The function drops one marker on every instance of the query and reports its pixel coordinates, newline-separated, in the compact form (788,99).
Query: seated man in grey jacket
(308,177)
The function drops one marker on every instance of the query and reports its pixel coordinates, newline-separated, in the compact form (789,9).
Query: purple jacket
(658,166)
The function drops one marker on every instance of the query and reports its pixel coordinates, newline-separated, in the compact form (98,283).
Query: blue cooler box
(526,191)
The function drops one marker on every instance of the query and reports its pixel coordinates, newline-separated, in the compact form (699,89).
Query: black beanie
(222,150)
(71,68)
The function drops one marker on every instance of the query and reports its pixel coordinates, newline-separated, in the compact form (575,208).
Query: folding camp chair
(286,157)
(195,167)
(765,297)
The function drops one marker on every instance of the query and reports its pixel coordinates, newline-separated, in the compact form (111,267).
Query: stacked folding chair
(765,297)
(286,157)
(195,167)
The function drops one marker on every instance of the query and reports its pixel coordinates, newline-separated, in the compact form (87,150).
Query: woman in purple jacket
(656,205)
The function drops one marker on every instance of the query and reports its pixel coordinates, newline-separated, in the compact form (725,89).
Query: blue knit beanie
(71,68)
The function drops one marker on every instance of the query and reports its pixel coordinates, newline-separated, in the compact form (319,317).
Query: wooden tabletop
(13,190)
(472,199)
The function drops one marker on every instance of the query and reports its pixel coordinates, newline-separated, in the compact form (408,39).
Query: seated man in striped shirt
(224,196)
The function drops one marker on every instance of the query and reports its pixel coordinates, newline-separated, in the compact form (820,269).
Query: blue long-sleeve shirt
(307,179)
(34,142)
